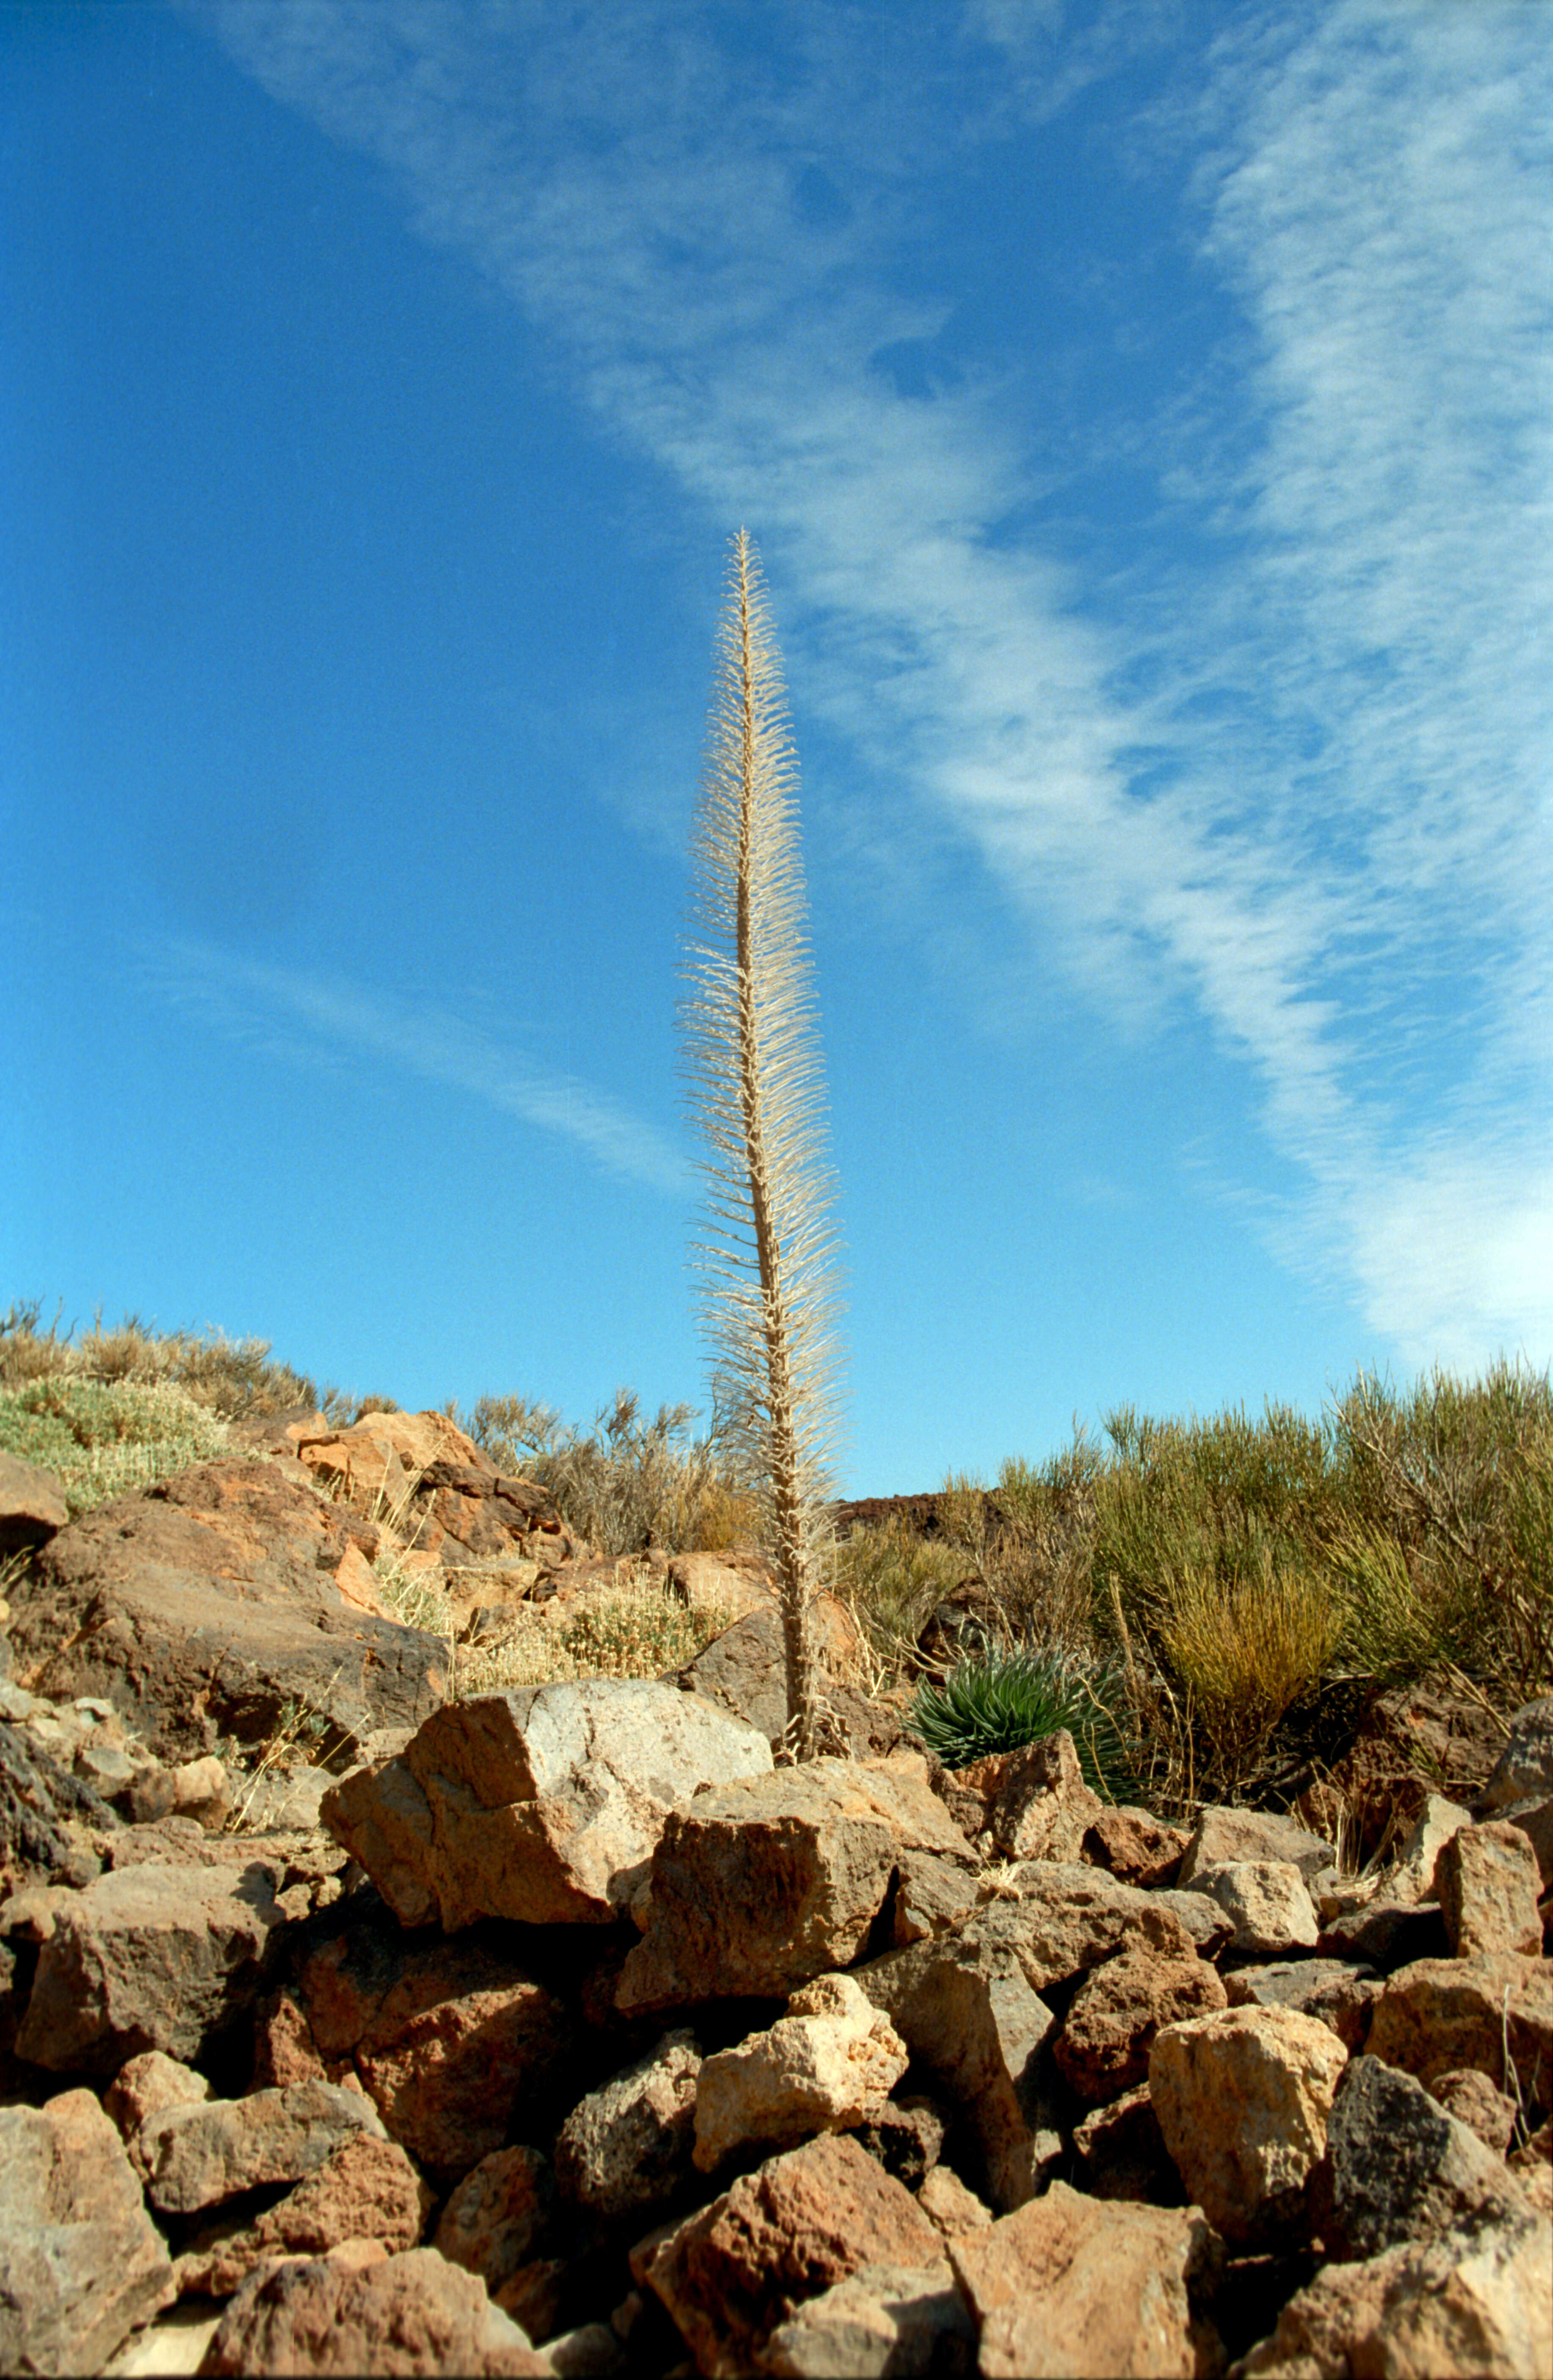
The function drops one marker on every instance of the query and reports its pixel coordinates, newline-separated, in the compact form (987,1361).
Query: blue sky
(1144,413)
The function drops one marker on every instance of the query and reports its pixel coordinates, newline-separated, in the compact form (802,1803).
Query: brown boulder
(80,2261)
(760,1886)
(627,2146)
(201,2154)
(801,2222)
(1466,2302)
(1222,1834)
(497,2219)
(1244,2099)
(366,2189)
(1402,2167)
(1069,2287)
(412,2314)
(205,1604)
(48,1817)
(146,1957)
(1031,1804)
(1489,1882)
(448,2060)
(1134,1846)
(1441,2014)
(1109,2029)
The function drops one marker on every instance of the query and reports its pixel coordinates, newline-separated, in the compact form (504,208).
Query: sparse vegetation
(1214,1586)
(628,1485)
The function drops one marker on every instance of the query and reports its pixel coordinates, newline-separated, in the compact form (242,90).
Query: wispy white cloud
(303,1018)
(1345,864)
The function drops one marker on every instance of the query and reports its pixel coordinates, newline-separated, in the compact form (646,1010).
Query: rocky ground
(565,2031)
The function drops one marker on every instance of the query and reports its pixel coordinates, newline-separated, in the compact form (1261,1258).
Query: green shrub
(626,1484)
(104,1439)
(1001,1701)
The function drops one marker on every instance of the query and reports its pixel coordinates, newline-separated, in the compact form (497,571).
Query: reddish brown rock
(1069,2285)
(760,1886)
(1474,2101)
(1222,1835)
(147,2086)
(1442,2013)
(1478,2302)
(1031,1804)
(80,2261)
(1121,2153)
(146,1957)
(197,2155)
(366,2190)
(413,2314)
(732,2273)
(206,1603)
(1103,2048)
(283,2047)
(497,2219)
(1134,1846)
(447,2064)
(1402,2167)
(1487,1881)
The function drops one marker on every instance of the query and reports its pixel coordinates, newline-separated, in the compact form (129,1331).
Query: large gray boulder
(543,1805)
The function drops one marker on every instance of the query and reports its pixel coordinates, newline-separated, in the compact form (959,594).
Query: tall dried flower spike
(753,1064)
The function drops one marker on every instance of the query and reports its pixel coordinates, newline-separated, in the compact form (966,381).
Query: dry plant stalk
(754,1070)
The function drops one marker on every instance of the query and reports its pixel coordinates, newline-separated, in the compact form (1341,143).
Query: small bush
(104,1439)
(1000,1702)
(1246,1648)
(627,1484)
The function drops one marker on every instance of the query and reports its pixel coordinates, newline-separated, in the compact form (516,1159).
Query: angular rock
(932,1894)
(32,1506)
(1031,1804)
(1403,2168)
(206,1603)
(1134,1846)
(454,2047)
(1069,2285)
(542,1805)
(822,2068)
(80,2261)
(732,2273)
(1441,2014)
(1385,1933)
(498,2218)
(625,2148)
(1487,1881)
(1102,2049)
(1478,2302)
(366,2189)
(1063,1919)
(328,2314)
(760,1886)
(1222,1835)
(945,2201)
(886,2318)
(1534,1819)
(47,1816)
(744,1673)
(197,2155)
(147,1958)
(1205,1922)
(1524,1769)
(1266,1903)
(1121,2153)
(964,2010)
(1412,1878)
(904,2136)
(1473,2101)
(147,2086)
(1244,2099)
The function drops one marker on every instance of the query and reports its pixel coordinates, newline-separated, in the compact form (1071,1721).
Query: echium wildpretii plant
(754,1069)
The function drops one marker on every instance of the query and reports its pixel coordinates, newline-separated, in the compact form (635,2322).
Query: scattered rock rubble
(563,2033)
